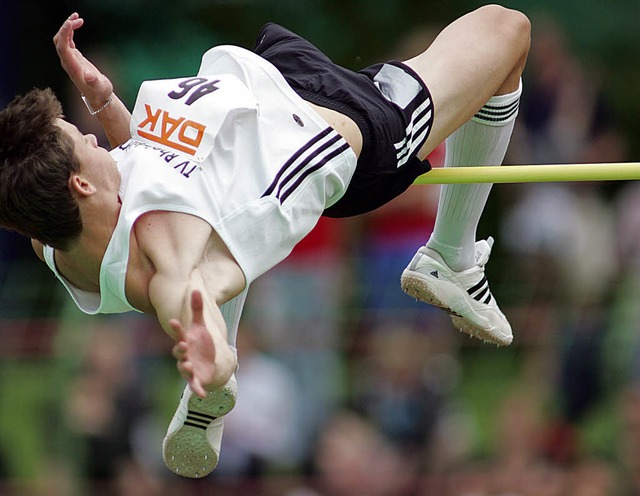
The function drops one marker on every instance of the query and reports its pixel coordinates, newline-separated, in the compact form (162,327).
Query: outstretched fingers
(63,39)
(86,76)
(190,361)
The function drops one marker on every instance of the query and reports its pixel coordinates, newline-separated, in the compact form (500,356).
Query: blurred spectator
(403,383)
(133,479)
(593,477)
(387,240)
(261,434)
(565,252)
(388,237)
(105,405)
(520,466)
(623,359)
(353,457)
(298,310)
(565,116)
(628,451)
(562,236)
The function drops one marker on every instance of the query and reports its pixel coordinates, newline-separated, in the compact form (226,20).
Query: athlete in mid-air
(213,179)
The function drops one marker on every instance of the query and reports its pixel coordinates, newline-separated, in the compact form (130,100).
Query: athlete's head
(36,162)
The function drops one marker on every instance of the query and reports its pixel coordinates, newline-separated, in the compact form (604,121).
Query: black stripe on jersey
(293,158)
(317,152)
(295,170)
(495,113)
(312,169)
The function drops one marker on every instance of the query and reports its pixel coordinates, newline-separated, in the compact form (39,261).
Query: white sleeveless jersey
(235,146)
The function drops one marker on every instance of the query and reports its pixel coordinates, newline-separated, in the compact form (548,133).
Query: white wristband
(94,112)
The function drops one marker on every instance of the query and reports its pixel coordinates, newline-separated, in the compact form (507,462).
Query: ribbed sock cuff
(500,109)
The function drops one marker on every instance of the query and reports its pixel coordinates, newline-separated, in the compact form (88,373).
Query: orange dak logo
(178,133)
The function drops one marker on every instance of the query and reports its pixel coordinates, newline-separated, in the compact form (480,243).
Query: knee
(512,26)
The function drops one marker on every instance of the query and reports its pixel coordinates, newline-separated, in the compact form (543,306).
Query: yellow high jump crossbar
(620,171)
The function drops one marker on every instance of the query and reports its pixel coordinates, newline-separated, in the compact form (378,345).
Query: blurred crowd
(347,387)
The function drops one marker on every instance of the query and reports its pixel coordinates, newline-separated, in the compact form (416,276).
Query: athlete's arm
(192,317)
(95,86)
(193,275)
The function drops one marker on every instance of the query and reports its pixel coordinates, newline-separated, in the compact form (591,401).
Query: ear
(81,186)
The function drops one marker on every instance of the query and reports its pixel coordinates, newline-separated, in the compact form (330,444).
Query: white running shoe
(464,295)
(192,445)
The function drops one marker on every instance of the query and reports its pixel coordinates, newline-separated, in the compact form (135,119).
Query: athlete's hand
(96,87)
(195,351)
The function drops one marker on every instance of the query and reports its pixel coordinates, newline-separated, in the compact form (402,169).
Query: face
(96,164)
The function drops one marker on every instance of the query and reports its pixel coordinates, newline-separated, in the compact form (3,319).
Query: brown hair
(36,162)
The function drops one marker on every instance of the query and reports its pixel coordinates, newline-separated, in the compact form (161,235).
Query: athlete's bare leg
(479,55)
(473,71)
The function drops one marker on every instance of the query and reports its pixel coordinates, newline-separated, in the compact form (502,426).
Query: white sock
(482,140)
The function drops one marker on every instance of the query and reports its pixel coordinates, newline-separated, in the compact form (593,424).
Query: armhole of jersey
(86,301)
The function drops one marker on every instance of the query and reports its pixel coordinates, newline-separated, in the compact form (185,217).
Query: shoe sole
(187,451)
(420,289)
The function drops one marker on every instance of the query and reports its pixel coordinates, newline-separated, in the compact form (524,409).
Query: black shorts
(389,102)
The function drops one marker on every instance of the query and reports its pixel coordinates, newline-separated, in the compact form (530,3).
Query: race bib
(186,114)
